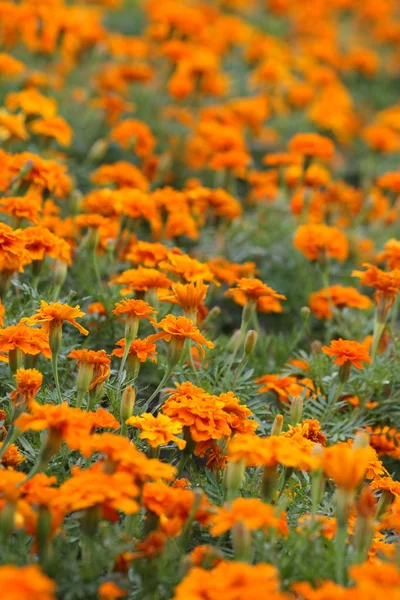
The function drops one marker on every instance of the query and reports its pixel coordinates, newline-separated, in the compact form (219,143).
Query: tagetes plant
(199,300)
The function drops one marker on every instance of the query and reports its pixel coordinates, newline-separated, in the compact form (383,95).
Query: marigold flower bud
(98,150)
(233,478)
(127,403)
(305,313)
(296,409)
(242,542)
(277,425)
(361,440)
(316,347)
(60,272)
(250,342)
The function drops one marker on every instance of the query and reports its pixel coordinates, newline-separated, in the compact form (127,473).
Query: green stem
(340,547)
(163,381)
(54,363)
(378,330)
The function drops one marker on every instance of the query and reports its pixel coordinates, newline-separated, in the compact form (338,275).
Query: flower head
(158,430)
(347,352)
(55,313)
(178,329)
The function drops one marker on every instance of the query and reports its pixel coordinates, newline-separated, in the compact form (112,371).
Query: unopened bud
(296,409)
(250,342)
(316,347)
(233,478)
(242,542)
(98,150)
(268,483)
(75,201)
(277,425)
(127,403)
(361,440)
(60,272)
(305,313)
(92,238)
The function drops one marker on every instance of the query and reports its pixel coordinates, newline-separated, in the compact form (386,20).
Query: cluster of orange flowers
(206,173)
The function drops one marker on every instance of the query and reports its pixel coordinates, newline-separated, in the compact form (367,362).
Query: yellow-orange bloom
(251,512)
(347,465)
(54,314)
(179,329)
(312,145)
(254,290)
(158,430)
(136,309)
(29,382)
(319,241)
(347,352)
(20,583)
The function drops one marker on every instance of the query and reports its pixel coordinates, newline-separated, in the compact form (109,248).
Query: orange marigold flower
(173,506)
(254,290)
(391,254)
(309,429)
(284,387)
(12,127)
(10,66)
(134,133)
(251,512)
(12,249)
(110,492)
(61,421)
(121,454)
(20,337)
(18,583)
(190,269)
(312,145)
(122,174)
(40,242)
(110,591)
(238,579)
(135,309)
(97,365)
(319,241)
(381,138)
(202,413)
(189,296)
(12,457)
(338,296)
(141,280)
(229,272)
(158,430)
(53,127)
(347,465)
(29,382)
(22,207)
(31,102)
(141,349)
(347,352)
(54,314)
(387,284)
(149,254)
(179,329)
